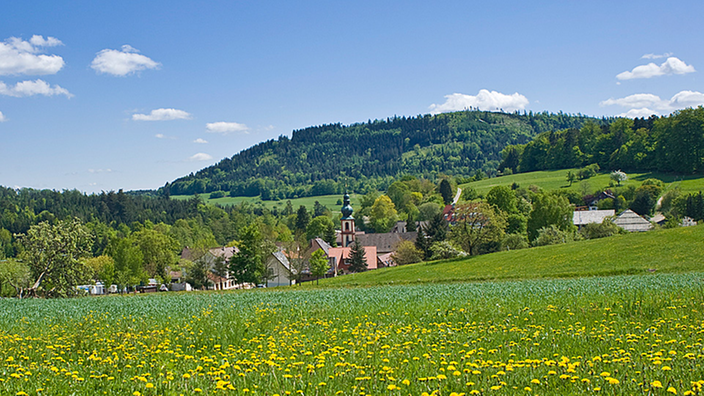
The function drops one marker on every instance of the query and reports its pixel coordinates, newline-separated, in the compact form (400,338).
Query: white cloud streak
(19,57)
(2,117)
(200,157)
(162,115)
(656,56)
(31,88)
(671,66)
(644,105)
(485,100)
(200,141)
(122,62)
(226,127)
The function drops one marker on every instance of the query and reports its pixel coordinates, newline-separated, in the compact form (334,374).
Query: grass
(328,200)
(617,335)
(555,180)
(669,251)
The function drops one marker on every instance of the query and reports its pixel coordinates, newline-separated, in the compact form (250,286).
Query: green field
(555,180)
(328,200)
(619,336)
(673,250)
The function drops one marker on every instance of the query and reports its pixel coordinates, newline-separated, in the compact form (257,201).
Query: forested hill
(323,159)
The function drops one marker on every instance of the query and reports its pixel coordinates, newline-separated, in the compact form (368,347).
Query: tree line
(673,143)
(368,156)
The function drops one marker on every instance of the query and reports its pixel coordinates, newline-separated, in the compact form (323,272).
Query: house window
(347,226)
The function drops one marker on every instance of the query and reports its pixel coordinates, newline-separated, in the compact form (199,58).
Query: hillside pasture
(328,200)
(668,251)
(557,180)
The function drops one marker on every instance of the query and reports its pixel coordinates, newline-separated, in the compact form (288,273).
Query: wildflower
(612,381)
(149,385)
(656,384)
(527,389)
(672,390)
(535,381)
(406,382)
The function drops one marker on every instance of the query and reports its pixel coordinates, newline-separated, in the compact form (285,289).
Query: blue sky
(98,97)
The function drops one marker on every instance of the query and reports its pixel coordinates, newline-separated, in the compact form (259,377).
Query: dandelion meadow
(616,335)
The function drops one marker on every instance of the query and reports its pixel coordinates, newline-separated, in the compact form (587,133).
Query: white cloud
(22,57)
(200,157)
(226,127)
(200,141)
(641,105)
(2,117)
(485,100)
(31,88)
(99,170)
(121,63)
(671,66)
(162,115)
(160,136)
(656,56)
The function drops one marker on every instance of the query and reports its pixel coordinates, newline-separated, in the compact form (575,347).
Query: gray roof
(281,257)
(323,245)
(386,242)
(582,217)
(632,222)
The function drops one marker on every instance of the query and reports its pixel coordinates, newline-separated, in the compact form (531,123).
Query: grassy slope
(676,250)
(554,180)
(328,200)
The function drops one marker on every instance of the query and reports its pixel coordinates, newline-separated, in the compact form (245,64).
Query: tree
(445,191)
(318,264)
(437,228)
(503,199)
(128,262)
(302,219)
(103,268)
(571,177)
(618,177)
(157,251)
(16,274)
(197,273)
(322,227)
(407,253)
(358,261)
(549,209)
(423,243)
(601,230)
(54,254)
(410,223)
(383,214)
(476,225)
(247,265)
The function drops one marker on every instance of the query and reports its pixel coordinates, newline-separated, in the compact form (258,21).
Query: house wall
(280,274)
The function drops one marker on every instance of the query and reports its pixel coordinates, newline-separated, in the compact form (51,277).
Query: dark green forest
(673,143)
(368,156)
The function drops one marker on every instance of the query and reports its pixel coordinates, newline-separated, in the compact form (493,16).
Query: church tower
(347,221)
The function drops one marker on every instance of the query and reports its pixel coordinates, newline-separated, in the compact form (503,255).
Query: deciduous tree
(54,254)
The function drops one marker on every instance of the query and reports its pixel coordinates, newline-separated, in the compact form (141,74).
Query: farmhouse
(580,218)
(632,222)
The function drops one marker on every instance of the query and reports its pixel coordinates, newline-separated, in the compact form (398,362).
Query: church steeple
(347,222)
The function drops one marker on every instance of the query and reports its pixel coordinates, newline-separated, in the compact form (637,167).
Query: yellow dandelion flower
(612,381)
(149,385)
(406,382)
(672,390)
(186,376)
(656,384)
(666,368)
(535,381)
(527,389)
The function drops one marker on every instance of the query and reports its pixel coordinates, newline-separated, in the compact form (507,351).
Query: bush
(445,250)
(217,194)
(603,230)
(514,242)
(407,253)
(553,236)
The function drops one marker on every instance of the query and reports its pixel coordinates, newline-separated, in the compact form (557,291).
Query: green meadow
(556,180)
(328,200)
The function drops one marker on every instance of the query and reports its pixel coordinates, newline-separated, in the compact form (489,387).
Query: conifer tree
(358,261)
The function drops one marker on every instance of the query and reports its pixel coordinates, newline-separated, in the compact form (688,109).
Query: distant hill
(323,159)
